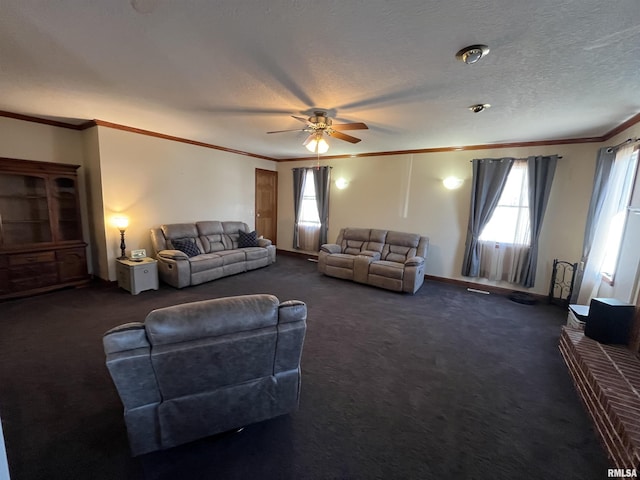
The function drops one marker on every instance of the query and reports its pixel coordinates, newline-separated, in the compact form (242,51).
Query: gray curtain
(541,171)
(604,162)
(299,176)
(322,181)
(489,178)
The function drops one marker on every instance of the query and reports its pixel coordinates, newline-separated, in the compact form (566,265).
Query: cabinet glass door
(65,203)
(24,212)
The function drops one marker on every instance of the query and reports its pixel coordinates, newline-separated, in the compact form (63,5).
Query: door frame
(275,197)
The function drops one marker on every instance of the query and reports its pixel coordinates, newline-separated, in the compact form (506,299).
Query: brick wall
(607,378)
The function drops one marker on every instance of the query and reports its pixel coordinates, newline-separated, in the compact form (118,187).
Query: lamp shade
(317,144)
(120,222)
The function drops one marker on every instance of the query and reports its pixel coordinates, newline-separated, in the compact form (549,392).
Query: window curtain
(604,162)
(541,171)
(489,178)
(614,198)
(322,181)
(502,261)
(503,251)
(299,176)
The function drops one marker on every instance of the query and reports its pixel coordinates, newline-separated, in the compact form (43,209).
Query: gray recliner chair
(194,370)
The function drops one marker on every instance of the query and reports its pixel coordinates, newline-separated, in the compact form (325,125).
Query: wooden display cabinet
(41,246)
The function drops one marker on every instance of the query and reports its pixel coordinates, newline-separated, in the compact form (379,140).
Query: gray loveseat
(382,258)
(218,253)
(201,368)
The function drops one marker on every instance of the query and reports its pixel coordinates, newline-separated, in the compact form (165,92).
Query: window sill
(504,244)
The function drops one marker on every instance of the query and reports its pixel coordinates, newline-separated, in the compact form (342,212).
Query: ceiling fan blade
(293,130)
(343,136)
(350,126)
(303,120)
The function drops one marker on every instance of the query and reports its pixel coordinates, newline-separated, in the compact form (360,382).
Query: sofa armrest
(128,355)
(331,248)
(173,254)
(264,242)
(414,261)
(174,268)
(129,336)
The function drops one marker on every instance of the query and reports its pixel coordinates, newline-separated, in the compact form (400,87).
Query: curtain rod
(526,158)
(628,140)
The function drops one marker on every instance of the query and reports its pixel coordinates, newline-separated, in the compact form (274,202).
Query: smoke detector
(472,54)
(480,107)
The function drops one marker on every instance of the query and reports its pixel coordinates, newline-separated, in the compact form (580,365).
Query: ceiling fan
(320,124)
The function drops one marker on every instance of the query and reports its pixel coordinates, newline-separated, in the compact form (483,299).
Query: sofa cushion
(232,256)
(354,240)
(387,269)
(342,260)
(400,246)
(395,253)
(211,236)
(247,239)
(231,230)
(255,253)
(187,246)
(206,261)
(377,239)
(211,318)
(181,231)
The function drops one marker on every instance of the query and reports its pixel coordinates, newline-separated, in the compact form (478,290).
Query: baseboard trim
(482,286)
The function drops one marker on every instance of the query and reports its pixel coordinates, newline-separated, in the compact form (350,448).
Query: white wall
(405,192)
(155,181)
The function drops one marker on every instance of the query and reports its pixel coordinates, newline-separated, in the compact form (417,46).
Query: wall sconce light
(121,223)
(452,183)
(342,183)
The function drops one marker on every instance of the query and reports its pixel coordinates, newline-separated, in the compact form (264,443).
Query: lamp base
(123,247)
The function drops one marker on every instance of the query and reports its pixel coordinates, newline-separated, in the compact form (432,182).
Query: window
(622,179)
(509,223)
(309,209)
(309,222)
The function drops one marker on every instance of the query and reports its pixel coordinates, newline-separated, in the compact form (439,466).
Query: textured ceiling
(225,72)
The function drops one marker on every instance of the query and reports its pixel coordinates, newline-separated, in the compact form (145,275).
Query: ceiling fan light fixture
(315,143)
(472,54)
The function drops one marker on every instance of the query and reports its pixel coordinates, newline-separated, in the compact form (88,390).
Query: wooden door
(267,204)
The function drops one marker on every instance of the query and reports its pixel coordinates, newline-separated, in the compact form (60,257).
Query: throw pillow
(247,239)
(186,246)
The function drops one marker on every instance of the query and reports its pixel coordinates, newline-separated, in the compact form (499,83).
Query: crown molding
(93,123)
(45,121)
(622,127)
(149,133)
(455,149)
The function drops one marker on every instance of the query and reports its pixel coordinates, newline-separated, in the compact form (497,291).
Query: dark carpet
(442,384)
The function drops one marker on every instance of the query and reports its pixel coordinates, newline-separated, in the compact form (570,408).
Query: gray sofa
(197,369)
(217,255)
(382,258)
